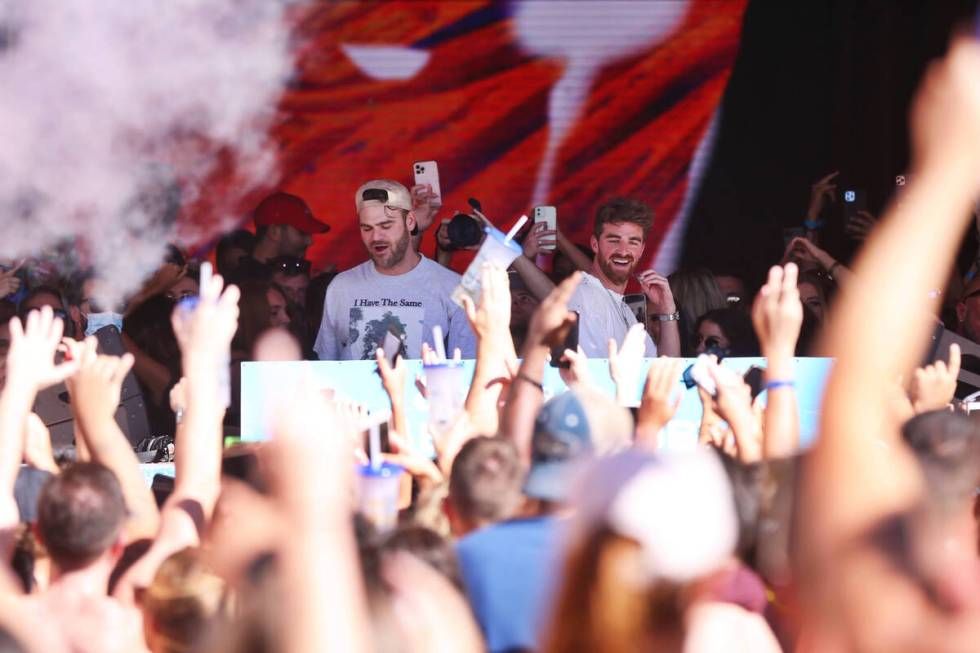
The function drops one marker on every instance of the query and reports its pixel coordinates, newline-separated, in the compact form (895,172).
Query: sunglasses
(293,267)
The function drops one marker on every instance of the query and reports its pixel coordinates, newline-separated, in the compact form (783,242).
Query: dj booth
(265,386)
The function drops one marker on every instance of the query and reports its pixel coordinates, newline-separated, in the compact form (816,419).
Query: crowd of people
(558,525)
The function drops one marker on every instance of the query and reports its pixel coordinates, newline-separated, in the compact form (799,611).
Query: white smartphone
(549,216)
(427,172)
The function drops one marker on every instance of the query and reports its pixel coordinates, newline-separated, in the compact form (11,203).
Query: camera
(464,231)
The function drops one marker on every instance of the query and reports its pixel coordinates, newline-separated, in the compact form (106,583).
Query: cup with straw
(498,249)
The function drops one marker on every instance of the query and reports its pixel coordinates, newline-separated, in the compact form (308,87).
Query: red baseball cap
(283,208)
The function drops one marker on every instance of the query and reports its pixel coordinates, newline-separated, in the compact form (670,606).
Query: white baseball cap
(386,192)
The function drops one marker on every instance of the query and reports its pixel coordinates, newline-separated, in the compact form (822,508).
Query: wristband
(524,377)
(776,384)
(832,268)
(813,225)
(668,317)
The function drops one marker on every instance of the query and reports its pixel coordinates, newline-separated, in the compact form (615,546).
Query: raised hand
(31,358)
(656,287)
(205,331)
(806,254)
(492,316)
(625,363)
(540,240)
(578,368)
(934,386)
(777,313)
(96,386)
(551,322)
(658,405)
(9,281)
(426,205)
(822,192)
(733,403)
(859,225)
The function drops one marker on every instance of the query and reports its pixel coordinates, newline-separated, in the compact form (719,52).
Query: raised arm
(95,389)
(548,328)
(881,325)
(325,599)
(30,368)
(777,315)
(536,281)
(574,254)
(494,351)
(204,335)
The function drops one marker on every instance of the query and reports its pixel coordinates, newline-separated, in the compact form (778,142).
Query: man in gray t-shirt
(398,290)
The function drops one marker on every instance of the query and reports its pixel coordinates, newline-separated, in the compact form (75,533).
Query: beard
(615,274)
(394,255)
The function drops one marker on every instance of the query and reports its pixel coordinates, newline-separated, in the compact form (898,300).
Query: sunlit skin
(278,316)
(4,348)
(710,335)
(385,234)
(813,300)
(618,249)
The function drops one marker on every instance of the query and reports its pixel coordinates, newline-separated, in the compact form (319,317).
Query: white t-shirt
(602,315)
(361,304)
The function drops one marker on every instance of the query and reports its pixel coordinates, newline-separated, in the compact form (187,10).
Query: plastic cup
(377,496)
(496,250)
(445,385)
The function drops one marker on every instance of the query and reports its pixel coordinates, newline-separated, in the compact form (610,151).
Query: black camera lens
(464,231)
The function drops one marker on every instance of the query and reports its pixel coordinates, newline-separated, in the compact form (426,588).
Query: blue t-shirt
(510,571)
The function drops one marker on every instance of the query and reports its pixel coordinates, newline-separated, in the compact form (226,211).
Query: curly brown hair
(623,209)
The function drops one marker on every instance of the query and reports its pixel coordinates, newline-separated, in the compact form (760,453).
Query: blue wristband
(775,385)
(813,225)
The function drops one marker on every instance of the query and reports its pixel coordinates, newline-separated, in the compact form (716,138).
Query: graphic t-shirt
(602,315)
(362,306)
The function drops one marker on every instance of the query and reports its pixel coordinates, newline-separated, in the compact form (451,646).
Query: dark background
(817,86)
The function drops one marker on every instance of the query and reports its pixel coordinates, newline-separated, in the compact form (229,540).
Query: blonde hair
(182,602)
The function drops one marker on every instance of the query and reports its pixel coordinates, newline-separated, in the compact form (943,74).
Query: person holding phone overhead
(618,239)
(397,289)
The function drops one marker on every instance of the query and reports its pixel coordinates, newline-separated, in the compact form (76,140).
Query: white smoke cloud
(107,107)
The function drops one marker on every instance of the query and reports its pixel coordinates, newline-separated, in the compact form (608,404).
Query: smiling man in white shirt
(619,237)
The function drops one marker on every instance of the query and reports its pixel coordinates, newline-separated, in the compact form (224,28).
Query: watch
(668,317)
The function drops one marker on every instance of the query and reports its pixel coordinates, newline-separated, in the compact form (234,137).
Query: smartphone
(392,346)
(571,342)
(638,304)
(548,215)
(855,201)
(384,441)
(755,378)
(427,172)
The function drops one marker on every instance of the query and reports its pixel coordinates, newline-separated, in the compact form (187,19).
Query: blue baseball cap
(572,428)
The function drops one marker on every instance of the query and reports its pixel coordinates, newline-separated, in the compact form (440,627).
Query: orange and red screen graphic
(471,86)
